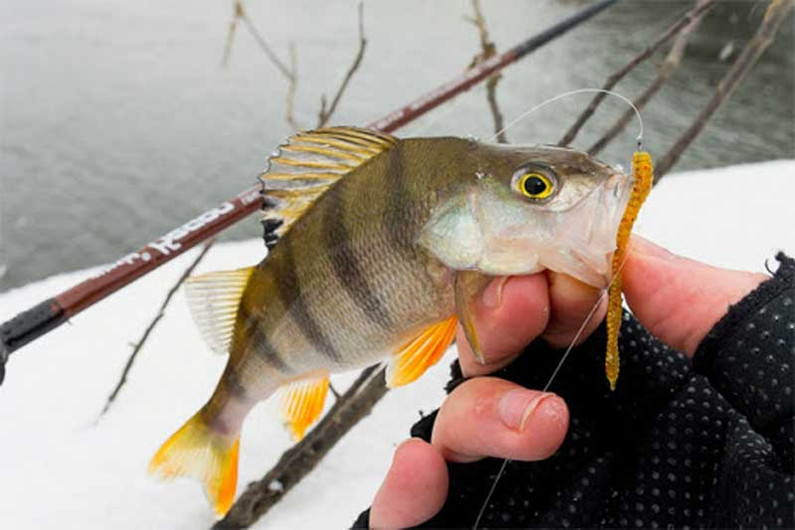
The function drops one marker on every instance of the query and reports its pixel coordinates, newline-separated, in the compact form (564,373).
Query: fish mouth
(588,239)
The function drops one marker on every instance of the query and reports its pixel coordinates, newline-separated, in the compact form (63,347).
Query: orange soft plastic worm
(642,172)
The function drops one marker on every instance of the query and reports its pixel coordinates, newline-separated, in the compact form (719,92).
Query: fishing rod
(51,313)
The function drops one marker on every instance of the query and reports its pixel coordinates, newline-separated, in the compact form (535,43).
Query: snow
(60,467)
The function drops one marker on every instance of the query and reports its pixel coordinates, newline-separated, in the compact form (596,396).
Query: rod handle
(26,326)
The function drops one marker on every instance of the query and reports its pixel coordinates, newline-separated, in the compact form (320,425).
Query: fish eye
(535,185)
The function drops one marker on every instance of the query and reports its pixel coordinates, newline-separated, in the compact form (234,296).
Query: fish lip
(595,266)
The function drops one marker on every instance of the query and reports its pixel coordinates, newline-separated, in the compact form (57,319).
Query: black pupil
(535,186)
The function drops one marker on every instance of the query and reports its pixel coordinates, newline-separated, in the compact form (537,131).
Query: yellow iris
(536,186)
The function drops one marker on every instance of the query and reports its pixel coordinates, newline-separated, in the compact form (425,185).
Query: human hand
(677,299)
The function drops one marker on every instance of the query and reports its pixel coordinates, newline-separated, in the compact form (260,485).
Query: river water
(118,122)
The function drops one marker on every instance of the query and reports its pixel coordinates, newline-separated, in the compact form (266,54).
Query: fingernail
(643,246)
(517,407)
(492,296)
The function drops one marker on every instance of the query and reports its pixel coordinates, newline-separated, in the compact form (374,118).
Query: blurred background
(119,123)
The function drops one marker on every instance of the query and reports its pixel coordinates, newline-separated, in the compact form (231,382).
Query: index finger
(511,313)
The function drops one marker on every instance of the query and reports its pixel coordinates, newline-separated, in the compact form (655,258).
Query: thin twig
(325,114)
(160,314)
(292,84)
(261,496)
(230,35)
(645,54)
(334,391)
(291,73)
(252,29)
(488,50)
(774,17)
(664,73)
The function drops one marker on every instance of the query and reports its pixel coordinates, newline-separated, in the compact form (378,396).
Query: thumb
(678,299)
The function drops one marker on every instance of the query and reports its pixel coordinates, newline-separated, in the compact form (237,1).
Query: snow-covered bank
(59,469)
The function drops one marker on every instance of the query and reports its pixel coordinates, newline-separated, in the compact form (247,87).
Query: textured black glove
(702,444)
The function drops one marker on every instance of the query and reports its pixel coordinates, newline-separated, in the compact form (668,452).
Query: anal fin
(420,353)
(302,403)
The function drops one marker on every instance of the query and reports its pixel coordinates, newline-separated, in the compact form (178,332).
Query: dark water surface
(118,123)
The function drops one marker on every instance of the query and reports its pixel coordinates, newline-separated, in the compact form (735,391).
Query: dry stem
(664,73)
(230,35)
(774,17)
(325,114)
(645,54)
(160,314)
(292,84)
(488,49)
(291,73)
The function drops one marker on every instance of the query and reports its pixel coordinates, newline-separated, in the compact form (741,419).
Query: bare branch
(261,41)
(776,14)
(261,496)
(160,314)
(325,114)
(230,35)
(645,54)
(291,87)
(664,73)
(488,49)
(334,391)
(291,73)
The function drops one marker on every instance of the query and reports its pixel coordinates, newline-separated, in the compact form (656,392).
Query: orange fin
(420,353)
(302,403)
(196,450)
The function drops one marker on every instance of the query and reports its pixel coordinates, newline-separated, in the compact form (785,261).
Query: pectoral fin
(302,402)
(468,286)
(420,353)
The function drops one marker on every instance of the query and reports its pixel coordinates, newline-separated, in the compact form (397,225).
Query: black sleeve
(748,357)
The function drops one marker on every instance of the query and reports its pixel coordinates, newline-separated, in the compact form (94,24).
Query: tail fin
(198,451)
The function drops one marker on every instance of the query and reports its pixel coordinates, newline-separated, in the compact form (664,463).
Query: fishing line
(563,358)
(639,141)
(526,113)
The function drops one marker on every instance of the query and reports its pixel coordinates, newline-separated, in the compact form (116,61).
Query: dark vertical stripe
(232,383)
(292,299)
(346,266)
(268,352)
(262,345)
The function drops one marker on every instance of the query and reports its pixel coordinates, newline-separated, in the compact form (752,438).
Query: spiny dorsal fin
(304,167)
(213,300)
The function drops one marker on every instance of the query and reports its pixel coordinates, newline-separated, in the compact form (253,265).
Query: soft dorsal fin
(304,167)
(213,299)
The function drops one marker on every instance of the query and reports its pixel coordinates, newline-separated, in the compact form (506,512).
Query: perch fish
(383,244)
